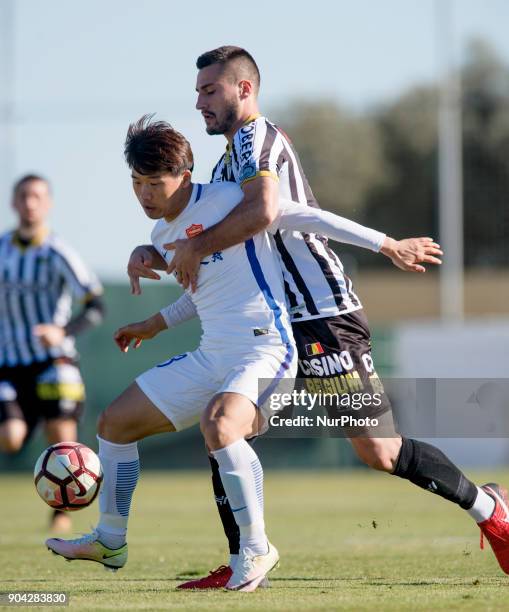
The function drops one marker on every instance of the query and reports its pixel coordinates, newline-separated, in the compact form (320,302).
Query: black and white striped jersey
(38,282)
(315,282)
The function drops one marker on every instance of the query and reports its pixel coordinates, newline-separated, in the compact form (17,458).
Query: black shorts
(46,390)
(335,358)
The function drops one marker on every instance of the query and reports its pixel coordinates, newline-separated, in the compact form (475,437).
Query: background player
(321,300)
(40,380)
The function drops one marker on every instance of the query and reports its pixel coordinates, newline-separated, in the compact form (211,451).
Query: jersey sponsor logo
(314,349)
(327,365)
(247,172)
(194,229)
(350,382)
(367,360)
(246,139)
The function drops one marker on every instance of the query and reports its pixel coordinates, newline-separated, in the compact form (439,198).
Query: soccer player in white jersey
(326,314)
(40,275)
(240,302)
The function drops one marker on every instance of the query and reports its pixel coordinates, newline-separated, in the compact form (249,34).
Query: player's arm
(178,312)
(254,213)
(91,314)
(407,254)
(84,287)
(170,316)
(142,263)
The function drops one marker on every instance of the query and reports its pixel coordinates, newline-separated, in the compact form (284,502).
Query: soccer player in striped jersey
(241,304)
(40,275)
(324,308)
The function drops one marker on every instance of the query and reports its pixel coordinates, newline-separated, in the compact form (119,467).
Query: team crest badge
(247,172)
(194,229)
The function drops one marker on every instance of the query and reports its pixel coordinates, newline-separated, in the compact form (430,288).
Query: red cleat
(216,579)
(496,528)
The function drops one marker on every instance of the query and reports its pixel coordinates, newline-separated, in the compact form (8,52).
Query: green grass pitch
(348,541)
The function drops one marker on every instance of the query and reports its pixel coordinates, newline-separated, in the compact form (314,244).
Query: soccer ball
(68,476)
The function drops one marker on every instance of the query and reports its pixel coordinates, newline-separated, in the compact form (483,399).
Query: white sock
(242,477)
(483,507)
(121,468)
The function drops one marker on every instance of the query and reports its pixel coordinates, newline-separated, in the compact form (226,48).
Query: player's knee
(378,453)
(12,435)
(106,424)
(9,444)
(218,432)
(209,422)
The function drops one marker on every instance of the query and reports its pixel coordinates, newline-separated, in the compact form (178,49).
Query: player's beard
(229,118)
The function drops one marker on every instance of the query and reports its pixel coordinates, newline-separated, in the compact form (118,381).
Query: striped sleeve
(217,170)
(256,150)
(82,282)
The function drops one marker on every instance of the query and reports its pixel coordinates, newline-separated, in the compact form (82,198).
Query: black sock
(428,468)
(230,527)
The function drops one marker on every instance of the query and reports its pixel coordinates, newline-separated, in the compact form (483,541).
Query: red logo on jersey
(194,229)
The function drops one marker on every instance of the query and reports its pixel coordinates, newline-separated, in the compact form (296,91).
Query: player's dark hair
(229,53)
(154,146)
(28,178)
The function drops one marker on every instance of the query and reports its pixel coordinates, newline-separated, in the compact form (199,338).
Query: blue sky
(83,71)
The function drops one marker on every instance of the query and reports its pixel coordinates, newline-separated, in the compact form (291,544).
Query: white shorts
(183,386)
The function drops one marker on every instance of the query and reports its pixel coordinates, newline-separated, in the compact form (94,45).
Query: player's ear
(245,89)
(186,178)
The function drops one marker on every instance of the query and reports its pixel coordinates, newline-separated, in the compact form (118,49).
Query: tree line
(380,167)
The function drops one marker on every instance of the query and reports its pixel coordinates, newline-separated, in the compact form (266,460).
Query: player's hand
(409,254)
(49,334)
(185,262)
(137,332)
(140,265)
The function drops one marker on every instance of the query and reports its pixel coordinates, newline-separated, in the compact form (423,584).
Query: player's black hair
(28,178)
(227,54)
(154,146)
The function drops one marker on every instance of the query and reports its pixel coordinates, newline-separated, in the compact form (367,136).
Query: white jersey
(38,282)
(314,279)
(240,296)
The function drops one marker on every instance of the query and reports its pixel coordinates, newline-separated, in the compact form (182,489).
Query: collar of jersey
(248,120)
(252,118)
(195,194)
(193,198)
(36,240)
